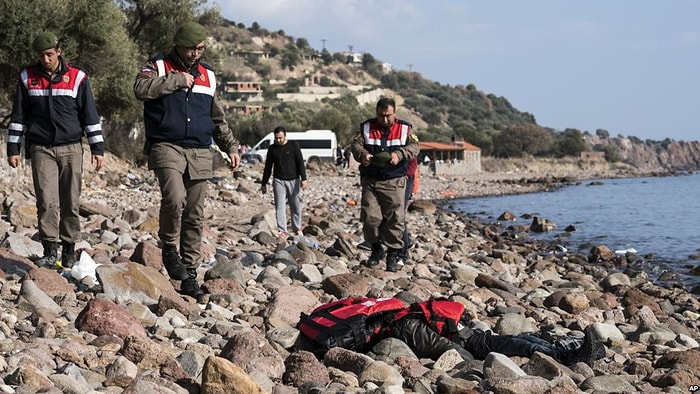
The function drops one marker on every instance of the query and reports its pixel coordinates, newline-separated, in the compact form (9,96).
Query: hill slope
(437,111)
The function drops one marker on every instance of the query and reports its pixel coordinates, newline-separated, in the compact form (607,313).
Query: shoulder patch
(146,73)
(414,137)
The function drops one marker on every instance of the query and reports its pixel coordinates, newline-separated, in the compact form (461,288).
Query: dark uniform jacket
(54,111)
(188,117)
(374,139)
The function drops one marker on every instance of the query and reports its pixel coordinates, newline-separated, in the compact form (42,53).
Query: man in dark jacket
(53,108)
(285,160)
(183,116)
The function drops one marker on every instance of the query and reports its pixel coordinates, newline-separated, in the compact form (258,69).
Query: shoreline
(132,322)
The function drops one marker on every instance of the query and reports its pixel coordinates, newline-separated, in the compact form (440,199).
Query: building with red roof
(458,158)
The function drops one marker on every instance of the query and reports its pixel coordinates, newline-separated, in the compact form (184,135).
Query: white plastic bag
(84,267)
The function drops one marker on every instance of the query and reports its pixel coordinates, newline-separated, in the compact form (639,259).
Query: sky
(631,67)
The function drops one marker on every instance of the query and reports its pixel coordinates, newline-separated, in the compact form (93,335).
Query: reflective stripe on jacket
(54,111)
(376,140)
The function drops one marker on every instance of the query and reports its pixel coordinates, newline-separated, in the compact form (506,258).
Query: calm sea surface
(659,216)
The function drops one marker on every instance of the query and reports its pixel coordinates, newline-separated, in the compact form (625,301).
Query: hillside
(289,70)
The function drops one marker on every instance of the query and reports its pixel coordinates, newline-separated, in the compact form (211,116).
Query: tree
(612,154)
(152,23)
(302,44)
(330,118)
(290,57)
(326,57)
(21,21)
(515,140)
(602,134)
(474,136)
(569,143)
(93,36)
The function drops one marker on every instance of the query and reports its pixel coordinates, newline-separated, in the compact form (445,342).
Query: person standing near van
(285,160)
(182,116)
(53,107)
(383,146)
(346,157)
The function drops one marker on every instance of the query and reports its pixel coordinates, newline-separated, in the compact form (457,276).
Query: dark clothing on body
(286,161)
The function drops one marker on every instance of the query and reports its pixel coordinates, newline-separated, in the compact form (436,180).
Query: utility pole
(323,40)
(410,67)
(350,47)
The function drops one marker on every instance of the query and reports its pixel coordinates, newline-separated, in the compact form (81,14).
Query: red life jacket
(351,323)
(441,314)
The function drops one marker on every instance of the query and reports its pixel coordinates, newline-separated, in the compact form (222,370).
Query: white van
(316,146)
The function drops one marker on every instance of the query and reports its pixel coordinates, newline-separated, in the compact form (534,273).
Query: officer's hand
(304,184)
(366,159)
(394,159)
(263,189)
(189,79)
(235,160)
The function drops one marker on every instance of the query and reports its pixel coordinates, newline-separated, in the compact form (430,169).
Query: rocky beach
(115,323)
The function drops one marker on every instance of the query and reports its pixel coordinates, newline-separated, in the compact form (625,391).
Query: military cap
(189,34)
(381,159)
(44,41)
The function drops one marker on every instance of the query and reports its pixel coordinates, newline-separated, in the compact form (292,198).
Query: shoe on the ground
(67,255)
(190,286)
(283,234)
(592,349)
(50,257)
(394,261)
(377,255)
(299,232)
(173,263)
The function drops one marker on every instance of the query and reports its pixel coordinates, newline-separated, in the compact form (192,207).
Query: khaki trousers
(57,175)
(382,212)
(182,175)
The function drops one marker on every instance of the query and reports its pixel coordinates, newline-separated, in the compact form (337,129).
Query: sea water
(657,216)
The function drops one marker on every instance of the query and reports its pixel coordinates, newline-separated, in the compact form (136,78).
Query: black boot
(67,254)
(378,253)
(587,349)
(394,261)
(190,286)
(50,254)
(173,263)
